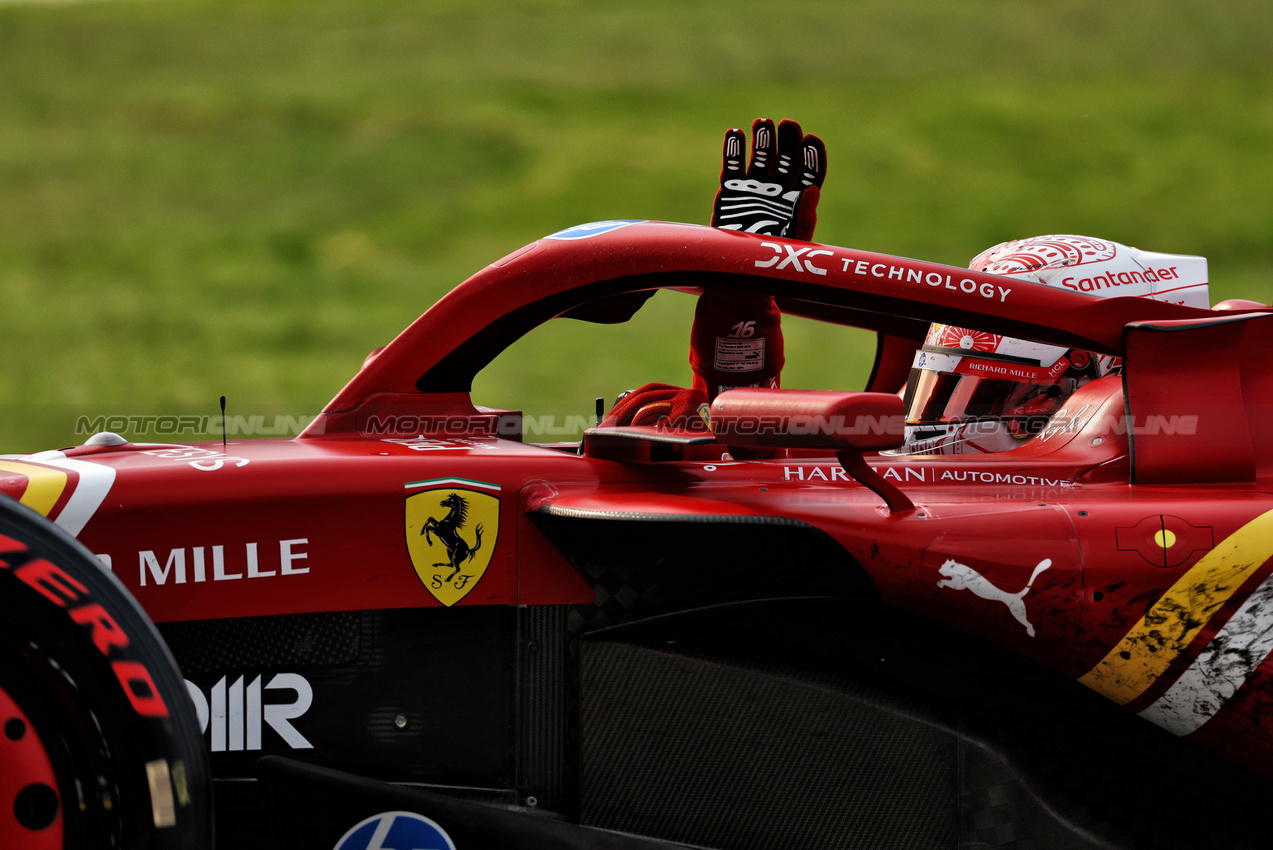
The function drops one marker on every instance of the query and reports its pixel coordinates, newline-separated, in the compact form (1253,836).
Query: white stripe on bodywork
(1215,675)
(95,482)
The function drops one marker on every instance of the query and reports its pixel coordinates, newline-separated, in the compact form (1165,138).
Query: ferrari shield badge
(452,525)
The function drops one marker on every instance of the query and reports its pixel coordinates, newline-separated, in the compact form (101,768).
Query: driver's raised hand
(777,194)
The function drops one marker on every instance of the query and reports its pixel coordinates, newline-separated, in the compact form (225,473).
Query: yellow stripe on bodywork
(1175,619)
(44,485)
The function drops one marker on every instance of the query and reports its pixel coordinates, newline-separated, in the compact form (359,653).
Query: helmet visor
(934,397)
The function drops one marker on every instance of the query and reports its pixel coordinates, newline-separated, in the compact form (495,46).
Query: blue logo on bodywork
(396,830)
(595,228)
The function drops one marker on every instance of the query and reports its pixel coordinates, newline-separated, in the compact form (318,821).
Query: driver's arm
(736,341)
(737,336)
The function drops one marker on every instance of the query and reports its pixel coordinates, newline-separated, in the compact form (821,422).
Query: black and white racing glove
(777,194)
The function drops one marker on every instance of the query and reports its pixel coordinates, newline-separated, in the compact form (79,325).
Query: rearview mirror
(808,419)
(845,423)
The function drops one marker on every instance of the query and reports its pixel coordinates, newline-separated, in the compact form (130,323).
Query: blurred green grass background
(243,197)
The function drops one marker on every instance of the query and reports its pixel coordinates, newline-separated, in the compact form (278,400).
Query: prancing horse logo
(448,531)
(451,534)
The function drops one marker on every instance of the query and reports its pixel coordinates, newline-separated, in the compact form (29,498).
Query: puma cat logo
(962,577)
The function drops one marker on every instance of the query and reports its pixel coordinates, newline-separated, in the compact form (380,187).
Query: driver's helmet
(972,392)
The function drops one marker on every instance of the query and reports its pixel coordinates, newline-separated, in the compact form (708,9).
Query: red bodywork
(1127,545)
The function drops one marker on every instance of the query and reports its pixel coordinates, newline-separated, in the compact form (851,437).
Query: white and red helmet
(971,391)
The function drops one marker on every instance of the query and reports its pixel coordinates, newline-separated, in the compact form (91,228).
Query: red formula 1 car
(407,624)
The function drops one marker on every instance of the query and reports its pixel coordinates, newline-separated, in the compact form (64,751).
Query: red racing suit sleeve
(736,342)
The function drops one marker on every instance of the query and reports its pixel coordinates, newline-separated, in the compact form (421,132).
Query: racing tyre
(99,743)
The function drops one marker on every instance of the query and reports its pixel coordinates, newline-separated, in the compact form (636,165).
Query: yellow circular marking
(1165,538)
